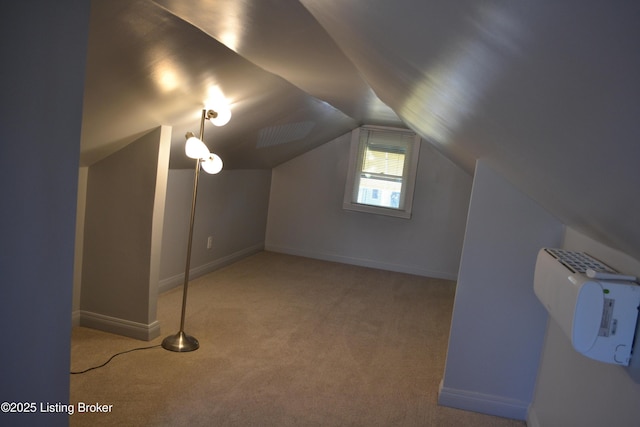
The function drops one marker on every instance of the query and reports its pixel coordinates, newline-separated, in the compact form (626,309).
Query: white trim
(364,262)
(75,318)
(355,164)
(115,325)
(169,283)
(484,403)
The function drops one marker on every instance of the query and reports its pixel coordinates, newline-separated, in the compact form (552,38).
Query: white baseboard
(115,325)
(177,280)
(483,403)
(363,262)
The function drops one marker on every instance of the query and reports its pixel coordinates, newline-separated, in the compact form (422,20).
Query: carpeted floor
(284,341)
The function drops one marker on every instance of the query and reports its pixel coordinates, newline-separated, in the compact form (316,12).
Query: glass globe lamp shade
(196,149)
(223,117)
(212,164)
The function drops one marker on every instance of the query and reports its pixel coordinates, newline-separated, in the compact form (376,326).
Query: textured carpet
(284,341)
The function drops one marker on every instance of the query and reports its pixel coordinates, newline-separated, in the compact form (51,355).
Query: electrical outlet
(209,242)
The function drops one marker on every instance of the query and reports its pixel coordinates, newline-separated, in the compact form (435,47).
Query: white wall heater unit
(594,305)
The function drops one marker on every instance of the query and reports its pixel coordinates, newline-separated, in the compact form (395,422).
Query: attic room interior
(525,115)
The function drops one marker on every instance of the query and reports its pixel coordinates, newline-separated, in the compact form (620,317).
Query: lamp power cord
(112,357)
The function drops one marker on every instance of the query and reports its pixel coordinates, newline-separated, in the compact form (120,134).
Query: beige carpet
(284,341)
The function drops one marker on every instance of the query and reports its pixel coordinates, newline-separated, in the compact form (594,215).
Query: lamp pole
(181,342)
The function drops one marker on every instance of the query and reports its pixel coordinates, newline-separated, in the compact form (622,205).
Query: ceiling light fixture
(196,149)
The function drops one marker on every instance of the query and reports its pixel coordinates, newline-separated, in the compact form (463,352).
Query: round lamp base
(180,342)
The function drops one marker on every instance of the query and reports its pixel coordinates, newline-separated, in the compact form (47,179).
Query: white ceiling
(547,91)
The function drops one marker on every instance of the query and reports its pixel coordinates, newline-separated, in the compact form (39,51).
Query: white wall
(573,390)
(498,324)
(44,50)
(122,234)
(306,216)
(231,206)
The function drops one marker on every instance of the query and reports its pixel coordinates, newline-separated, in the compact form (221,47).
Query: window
(382,171)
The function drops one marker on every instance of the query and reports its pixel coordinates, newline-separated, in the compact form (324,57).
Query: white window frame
(355,171)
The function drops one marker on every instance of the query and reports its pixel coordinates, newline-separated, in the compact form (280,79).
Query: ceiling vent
(281,134)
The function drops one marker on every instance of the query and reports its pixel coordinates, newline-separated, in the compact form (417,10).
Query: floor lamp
(196,149)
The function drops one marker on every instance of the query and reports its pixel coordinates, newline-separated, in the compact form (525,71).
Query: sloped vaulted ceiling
(289,86)
(547,91)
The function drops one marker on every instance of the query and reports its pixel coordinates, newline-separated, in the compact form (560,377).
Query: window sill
(397,213)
